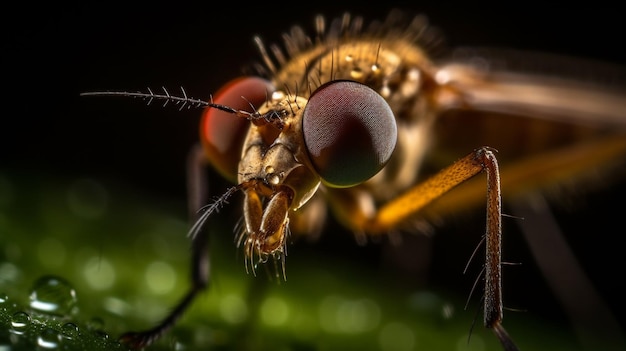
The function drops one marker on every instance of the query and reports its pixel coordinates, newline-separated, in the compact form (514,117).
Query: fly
(350,119)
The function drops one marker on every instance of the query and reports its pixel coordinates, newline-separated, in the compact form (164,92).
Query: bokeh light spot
(274,311)
(99,273)
(161,277)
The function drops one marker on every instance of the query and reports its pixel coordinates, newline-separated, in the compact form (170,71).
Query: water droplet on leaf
(53,295)
(48,339)
(19,322)
(4,300)
(70,331)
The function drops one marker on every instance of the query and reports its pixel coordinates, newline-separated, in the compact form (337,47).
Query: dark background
(55,51)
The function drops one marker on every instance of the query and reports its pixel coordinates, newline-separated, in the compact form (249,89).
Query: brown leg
(197,190)
(416,198)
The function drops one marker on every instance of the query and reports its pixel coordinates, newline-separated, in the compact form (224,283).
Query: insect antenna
(149,96)
(185,101)
(209,209)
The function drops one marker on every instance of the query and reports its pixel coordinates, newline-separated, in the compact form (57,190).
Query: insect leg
(196,182)
(197,187)
(582,162)
(199,282)
(411,202)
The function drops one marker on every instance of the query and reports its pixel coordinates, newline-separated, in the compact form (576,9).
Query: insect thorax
(397,69)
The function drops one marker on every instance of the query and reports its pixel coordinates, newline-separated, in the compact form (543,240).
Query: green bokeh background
(126,256)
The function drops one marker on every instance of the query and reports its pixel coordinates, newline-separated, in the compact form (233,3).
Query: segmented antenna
(166,97)
(273,117)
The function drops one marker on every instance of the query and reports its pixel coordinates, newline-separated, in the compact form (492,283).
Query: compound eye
(222,134)
(350,132)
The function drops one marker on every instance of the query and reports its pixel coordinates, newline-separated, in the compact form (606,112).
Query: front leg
(200,272)
(398,210)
